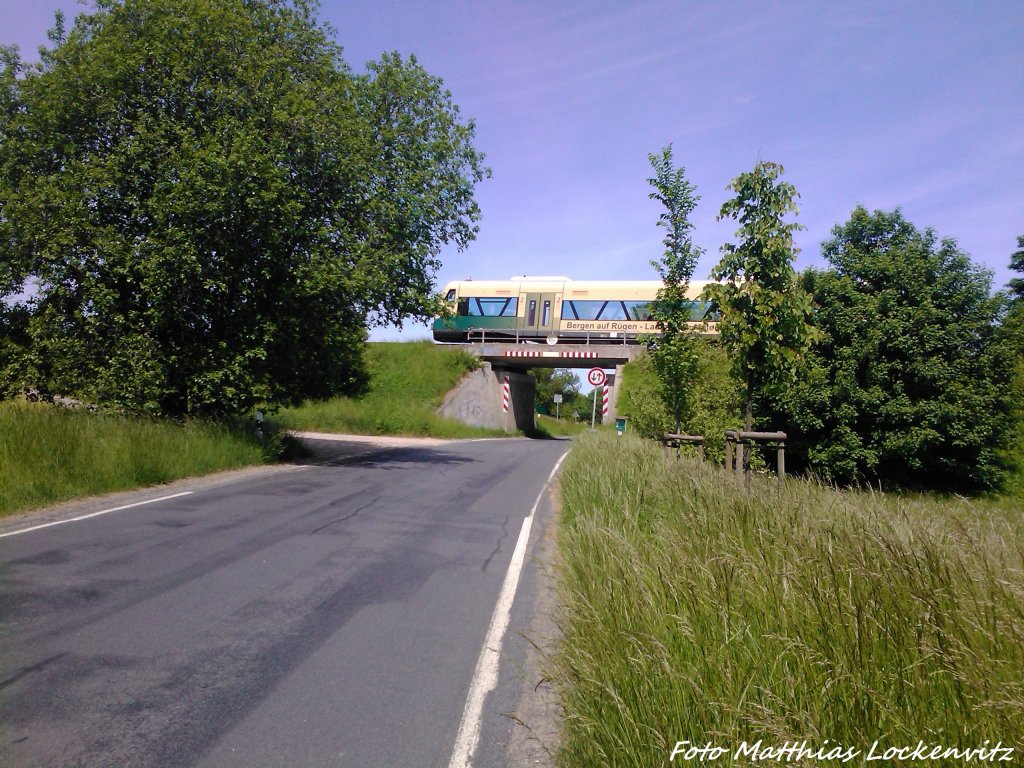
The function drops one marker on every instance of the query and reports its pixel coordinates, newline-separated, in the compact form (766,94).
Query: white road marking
(94,514)
(485,678)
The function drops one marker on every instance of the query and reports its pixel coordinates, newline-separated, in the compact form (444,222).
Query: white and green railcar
(557,310)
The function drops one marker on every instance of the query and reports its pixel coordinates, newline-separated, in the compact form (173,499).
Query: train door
(540,313)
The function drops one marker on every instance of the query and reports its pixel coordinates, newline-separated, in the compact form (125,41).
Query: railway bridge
(479,399)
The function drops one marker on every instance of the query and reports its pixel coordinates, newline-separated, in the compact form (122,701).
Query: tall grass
(696,611)
(560,427)
(50,454)
(408,381)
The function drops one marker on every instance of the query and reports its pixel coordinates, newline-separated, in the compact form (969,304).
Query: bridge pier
(615,381)
(477,400)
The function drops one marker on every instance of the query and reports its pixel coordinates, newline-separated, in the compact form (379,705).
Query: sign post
(596,378)
(558,401)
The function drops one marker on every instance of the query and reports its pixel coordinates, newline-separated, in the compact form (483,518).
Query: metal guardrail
(481,335)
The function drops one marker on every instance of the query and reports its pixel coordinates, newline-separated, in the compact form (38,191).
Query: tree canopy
(555,381)
(1017,265)
(910,383)
(209,207)
(764,312)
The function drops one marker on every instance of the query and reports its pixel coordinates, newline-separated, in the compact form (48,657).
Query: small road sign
(596,377)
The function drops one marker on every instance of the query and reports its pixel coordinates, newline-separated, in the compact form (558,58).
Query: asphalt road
(327,615)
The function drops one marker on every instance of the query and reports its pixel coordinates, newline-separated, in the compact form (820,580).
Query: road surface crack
(349,516)
(497,545)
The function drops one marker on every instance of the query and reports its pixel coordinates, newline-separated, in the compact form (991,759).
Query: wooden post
(780,459)
(728,454)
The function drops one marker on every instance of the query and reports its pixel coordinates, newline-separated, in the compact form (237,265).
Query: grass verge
(408,381)
(549,425)
(695,611)
(50,454)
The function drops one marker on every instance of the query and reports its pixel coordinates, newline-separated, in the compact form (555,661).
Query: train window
(582,310)
(547,314)
(613,310)
(638,310)
(450,296)
(532,318)
(604,310)
(498,306)
(701,310)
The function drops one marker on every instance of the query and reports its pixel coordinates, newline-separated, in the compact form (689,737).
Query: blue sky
(912,104)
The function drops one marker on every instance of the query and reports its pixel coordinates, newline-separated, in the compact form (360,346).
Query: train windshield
(498,306)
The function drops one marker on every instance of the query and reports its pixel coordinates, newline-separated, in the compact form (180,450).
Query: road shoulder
(537,718)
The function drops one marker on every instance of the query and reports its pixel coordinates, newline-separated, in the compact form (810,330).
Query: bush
(714,404)
(911,384)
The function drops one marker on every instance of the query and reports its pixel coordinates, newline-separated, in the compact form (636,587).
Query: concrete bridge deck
(526,356)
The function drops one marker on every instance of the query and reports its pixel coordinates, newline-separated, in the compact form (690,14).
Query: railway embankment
(408,384)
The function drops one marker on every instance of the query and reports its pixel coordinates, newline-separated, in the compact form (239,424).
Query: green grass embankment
(695,611)
(408,381)
(50,454)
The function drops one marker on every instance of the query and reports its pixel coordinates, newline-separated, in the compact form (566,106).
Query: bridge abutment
(478,400)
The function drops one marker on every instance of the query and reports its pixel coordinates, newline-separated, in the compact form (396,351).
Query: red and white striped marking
(521,353)
(580,354)
(505,395)
(604,401)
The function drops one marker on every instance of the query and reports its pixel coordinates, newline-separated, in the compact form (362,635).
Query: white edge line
(485,677)
(95,514)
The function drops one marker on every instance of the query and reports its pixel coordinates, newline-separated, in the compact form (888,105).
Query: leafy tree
(675,354)
(555,381)
(909,384)
(212,206)
(765,314)
(1012,332)
(1017,265)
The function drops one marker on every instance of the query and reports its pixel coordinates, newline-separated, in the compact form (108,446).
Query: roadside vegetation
(220,257)
(713,403)
(50,454)
(562,427)
(408,381)
(692,610)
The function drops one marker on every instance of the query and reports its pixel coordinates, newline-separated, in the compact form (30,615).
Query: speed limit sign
(596,377)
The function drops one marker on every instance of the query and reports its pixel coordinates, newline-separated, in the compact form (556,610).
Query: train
(558,310)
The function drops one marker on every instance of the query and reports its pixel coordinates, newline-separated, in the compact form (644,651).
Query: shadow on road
(345,454)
